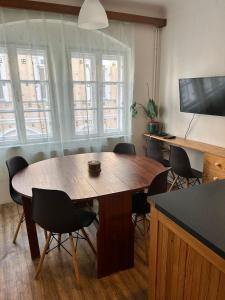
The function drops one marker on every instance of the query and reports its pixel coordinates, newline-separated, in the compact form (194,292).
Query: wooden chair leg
(46,234)
(198,180)
(43,255)
(187,183)
(89,241)
(135,220)
(75,264)
(18,227)
(59,240)
(146,238)
(173,184)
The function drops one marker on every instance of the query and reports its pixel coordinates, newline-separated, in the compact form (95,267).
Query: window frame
(19,111)
(99,54)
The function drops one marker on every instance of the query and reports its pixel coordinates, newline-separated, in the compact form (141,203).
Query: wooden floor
(57,280)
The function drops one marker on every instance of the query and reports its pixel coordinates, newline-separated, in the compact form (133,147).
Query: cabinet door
(214,168)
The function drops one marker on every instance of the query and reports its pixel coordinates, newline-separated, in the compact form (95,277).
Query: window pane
(112,95)
(83,68)
(4,65)
(85,122)
(35,95)
(31,66)
(84,95)
(112,120)
(38,124)
(8,129)
(6,92)
(112,68)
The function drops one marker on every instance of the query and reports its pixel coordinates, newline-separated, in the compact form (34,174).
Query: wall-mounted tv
(203,95)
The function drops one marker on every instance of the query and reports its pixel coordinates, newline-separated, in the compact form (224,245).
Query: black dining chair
(14,165)
(54,211)
(154,151)
(181,167)
(125,148)
(141,207)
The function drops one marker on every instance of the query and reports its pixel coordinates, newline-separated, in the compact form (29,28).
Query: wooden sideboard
(187,246)
(214,156)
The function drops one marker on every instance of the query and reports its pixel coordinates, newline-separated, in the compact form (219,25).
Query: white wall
(193,45)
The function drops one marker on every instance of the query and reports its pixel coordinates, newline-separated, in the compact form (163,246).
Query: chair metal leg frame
(18,227)
(51,237)
(45,251)
(77,236)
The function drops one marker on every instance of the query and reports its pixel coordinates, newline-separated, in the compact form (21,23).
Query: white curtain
(63,90)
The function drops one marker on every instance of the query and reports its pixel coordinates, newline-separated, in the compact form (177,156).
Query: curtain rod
(74,10)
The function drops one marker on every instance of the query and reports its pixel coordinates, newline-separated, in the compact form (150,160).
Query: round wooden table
(121,175)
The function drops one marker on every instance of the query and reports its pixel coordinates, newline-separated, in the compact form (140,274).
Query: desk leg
(31,229)
(115,237)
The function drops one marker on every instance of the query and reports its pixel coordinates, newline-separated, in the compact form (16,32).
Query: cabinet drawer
(214,168)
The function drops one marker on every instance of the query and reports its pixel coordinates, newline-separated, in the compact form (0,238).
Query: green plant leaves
(150,111)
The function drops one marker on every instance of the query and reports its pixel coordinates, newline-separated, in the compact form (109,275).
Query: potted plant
(150,112)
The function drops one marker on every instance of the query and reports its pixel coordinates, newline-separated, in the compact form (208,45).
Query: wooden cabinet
(214,168)
(180,266)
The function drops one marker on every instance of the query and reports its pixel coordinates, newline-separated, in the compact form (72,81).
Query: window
(113,89)
(28,116)
(34,86)
(98,93)
(84,93)
(26,111)
(8,128)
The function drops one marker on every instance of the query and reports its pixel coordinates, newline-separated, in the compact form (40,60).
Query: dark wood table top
(119,173)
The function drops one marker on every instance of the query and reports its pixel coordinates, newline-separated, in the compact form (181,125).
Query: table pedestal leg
(31,229)
(115,237)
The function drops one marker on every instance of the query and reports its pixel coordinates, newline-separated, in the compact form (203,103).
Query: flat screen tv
(203,95)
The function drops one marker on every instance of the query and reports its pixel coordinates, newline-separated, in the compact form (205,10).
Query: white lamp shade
(92,15)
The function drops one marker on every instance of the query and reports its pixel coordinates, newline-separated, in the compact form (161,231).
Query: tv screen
(203,95)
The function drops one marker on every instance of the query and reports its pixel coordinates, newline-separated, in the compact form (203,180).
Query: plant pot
(153,127)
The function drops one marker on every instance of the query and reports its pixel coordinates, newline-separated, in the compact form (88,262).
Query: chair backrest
(125,148)
(14,165)
(154,150)
(180,162)
(159,183)
(52,210)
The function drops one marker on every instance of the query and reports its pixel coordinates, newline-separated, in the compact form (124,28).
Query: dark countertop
(200,210)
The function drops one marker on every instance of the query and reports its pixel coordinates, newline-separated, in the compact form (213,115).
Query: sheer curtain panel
(63,90)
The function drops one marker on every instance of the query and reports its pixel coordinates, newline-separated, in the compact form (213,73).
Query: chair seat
(140,204)
(196,173)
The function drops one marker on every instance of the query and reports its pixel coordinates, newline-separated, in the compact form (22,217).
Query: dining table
(121,175)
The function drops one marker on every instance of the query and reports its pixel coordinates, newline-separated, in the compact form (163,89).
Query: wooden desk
(121,175)
(214,156)
(191,144)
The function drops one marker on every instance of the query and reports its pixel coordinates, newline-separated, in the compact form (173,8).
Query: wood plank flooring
(57,280)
